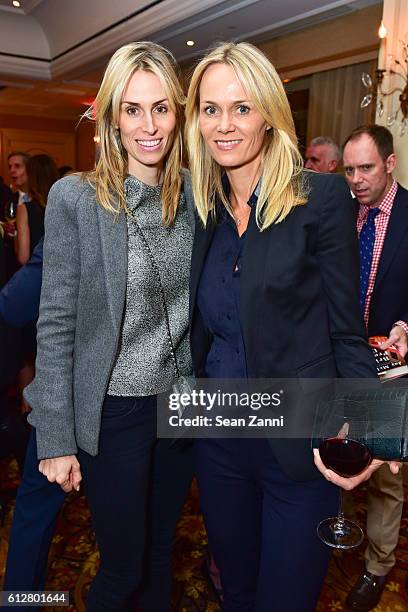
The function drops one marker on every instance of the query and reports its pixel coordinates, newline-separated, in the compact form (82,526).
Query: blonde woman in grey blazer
(117,245)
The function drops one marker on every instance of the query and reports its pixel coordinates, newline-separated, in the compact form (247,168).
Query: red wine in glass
(345,456)
(339,432)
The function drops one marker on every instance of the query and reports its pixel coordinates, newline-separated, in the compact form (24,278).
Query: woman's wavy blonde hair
(108,177)
(282,183)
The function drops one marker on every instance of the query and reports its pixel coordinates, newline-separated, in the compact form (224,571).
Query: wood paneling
(85,146)
(59,145)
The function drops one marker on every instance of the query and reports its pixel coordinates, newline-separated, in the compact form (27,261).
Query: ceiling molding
(141,26)
(164,22)
(30,5)
(25,67)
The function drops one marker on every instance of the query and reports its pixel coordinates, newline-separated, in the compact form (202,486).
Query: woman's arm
(51,393)
(20,298)
(22,239)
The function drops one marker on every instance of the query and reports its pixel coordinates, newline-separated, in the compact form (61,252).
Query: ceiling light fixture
(190,43)
(16,3)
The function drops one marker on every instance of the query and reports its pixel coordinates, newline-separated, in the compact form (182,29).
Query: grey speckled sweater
(143,364)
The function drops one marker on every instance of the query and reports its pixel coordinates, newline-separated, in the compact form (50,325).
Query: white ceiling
(48,39)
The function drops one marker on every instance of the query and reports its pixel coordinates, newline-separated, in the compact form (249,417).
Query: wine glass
(10,211)
(340,432)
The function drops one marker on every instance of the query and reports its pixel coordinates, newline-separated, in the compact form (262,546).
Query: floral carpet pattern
(73,558)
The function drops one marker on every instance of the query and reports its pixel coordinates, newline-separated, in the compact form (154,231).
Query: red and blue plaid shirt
(381,224)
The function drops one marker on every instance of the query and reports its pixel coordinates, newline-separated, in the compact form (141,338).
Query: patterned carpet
(74,558)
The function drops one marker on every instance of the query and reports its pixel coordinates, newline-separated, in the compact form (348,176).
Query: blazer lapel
(397,226)
(252,278)
(113,234)
(202,240)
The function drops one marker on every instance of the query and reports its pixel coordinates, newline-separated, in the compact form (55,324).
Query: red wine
(344,456)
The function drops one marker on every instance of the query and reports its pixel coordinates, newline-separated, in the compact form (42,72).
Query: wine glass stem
(340,514)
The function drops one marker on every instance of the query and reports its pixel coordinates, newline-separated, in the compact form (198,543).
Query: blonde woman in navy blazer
(274,294)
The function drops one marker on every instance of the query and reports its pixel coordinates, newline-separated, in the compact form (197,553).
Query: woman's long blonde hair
(112,166)
(282,185)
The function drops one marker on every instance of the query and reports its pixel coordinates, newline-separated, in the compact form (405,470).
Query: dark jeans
(37,505)
(135,488)
(262,527)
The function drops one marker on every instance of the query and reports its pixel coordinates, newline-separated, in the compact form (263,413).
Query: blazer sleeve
(20,298)
(339,264)
(51,393)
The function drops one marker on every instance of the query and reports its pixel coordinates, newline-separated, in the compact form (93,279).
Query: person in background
(115,239)
(17,162)
(20,297)
(18,176)
(382,224)
(6,196)
(322,155)
(2,258)
(274,294)
(64,170)
(41,175)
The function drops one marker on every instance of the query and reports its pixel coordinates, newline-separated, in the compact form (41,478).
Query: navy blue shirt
(218,298)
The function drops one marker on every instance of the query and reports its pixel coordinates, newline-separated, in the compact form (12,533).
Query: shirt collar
(136,192)
(253,199)
(386,203)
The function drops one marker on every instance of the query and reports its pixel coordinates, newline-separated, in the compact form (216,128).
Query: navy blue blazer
(20,298)
(299,306)
(389,301)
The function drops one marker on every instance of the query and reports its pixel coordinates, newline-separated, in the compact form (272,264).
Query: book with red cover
(390,364)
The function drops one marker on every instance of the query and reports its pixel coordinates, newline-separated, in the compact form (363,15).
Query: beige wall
(331,44)
(395,19)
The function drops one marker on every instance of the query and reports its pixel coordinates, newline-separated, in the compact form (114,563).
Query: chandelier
(396,69)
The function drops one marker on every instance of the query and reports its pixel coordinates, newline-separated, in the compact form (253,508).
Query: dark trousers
(133,504)
(37,505)
(262,526)
(135,488)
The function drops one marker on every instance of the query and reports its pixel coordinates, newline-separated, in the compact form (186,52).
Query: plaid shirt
(381,224)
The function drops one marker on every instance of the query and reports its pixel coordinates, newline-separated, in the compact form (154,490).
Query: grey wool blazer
(82,303)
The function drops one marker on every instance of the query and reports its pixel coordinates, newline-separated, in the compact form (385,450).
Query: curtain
(334,102)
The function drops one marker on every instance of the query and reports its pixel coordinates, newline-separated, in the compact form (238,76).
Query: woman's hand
(350,483)
(65,471)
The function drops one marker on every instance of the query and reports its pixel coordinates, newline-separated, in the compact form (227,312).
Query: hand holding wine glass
(10,213)
(343,458)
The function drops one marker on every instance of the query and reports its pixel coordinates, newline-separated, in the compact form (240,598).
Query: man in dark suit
(322,155)
(20,298)
(31,533)
(382,224)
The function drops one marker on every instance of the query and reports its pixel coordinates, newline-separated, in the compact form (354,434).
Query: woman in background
(274,294)
(41,175)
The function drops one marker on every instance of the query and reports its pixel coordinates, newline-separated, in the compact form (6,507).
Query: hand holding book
(390,362)
(398,337)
